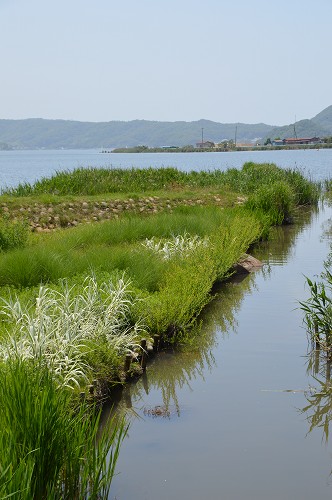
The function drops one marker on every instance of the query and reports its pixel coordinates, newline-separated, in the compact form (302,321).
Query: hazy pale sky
(229,61)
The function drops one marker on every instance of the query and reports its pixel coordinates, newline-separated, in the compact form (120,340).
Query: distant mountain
(53,134)
(324,118)
(319,126)
(36,133)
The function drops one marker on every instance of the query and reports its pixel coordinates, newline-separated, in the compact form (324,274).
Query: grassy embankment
(76,301)
(150,274)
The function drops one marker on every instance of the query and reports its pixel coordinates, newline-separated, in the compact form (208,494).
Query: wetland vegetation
(76,298)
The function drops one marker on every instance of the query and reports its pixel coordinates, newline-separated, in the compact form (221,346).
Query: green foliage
(93,181)
(49,448)
(66,323)
(12,234)
(105,246)
(318,311)
(275,200)
(187,283)
(254,176)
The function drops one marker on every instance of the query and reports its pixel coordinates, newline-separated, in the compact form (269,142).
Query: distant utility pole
(295,128)
(202,135)
(235,135)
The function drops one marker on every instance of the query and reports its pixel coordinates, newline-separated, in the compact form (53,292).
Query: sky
(248,61)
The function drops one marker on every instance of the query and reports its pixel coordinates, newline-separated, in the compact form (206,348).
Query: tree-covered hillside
(319,126)
(54,134)
(40,133)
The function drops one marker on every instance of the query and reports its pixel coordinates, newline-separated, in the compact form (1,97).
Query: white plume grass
(65,324)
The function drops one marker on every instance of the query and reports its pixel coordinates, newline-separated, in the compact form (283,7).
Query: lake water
(231,425)
(28,166)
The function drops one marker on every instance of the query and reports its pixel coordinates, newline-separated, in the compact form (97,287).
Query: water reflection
(221,314)
(280,246)
(318,411)
(171,370)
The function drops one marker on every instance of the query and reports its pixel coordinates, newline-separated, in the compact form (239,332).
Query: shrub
(13,234)
(277,200)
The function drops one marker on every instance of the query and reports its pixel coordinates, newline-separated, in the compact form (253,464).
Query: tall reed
(318,311)
(49,448)
(67,325)
(92,181)
(12,234)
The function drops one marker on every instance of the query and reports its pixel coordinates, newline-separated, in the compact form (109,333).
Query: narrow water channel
(223,420)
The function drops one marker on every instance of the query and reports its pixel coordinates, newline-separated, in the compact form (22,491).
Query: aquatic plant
(67,323)
(50,448)
(105,246)
(318,411)
(318,311)
(92,181)
(186,285)
(276,200)
(12,234)
(179,245)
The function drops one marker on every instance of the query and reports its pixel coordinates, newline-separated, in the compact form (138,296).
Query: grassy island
(98,265)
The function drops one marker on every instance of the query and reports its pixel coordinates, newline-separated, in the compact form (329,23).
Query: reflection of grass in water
(281,239)
(175,371)
(221,313)
(180,369)
(170,372)
(319,408)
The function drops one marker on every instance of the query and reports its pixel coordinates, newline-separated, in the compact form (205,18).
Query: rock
(247,264)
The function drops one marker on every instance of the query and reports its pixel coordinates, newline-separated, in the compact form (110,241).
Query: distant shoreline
(186,149)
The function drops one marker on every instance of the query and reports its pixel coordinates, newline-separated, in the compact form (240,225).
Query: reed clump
(65,327)
(318,311)
(13,234)
(51,448)
(93,181)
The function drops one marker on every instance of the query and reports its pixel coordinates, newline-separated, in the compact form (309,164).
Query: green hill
(53,134)
(319,126)
(35,133)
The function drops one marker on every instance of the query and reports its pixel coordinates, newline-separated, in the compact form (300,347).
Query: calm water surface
(28,166)
(232,427)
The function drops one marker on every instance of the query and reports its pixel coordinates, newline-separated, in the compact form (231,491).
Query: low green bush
(13,234)
(277,200)
(187,282)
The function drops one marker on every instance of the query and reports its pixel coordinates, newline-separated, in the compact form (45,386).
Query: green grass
(50,449)
(318,311)
(94,181)
(105,246)
(12,234)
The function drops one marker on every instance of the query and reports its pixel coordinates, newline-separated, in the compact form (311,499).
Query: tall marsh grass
(188,280)
(68,325)
(318,311)
(276,200)
(12,234)
(106,246)
(50,449)
(93,181)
